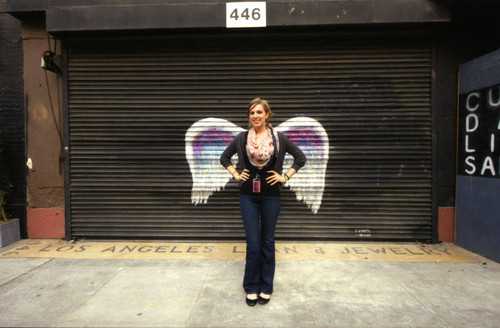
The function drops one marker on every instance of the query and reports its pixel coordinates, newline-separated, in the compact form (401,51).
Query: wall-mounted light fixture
(51,62)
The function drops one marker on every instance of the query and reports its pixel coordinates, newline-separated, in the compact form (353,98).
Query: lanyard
(256,184)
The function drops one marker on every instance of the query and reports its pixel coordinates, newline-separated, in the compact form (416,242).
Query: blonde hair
(263,103)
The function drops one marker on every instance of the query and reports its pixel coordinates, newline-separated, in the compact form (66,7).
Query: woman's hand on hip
(275,178)
(244,175)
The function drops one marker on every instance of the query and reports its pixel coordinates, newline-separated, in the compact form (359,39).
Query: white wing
(310,136)
(205,142)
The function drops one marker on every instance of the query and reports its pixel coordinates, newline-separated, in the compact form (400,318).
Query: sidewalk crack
(25,273)
(410,292)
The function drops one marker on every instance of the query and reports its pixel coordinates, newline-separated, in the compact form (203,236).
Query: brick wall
(12,135)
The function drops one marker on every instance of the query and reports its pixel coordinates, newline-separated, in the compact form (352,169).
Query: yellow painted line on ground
(384,252)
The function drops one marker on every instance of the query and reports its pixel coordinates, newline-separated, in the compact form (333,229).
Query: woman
(261,152)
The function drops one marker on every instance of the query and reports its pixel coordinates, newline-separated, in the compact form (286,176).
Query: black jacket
(238,146)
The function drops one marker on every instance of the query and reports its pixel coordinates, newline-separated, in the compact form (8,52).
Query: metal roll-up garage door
(131,103)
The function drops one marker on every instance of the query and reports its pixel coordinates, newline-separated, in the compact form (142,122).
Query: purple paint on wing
(210,141)
(306,137)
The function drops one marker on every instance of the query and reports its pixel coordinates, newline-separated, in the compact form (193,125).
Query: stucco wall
(45,179)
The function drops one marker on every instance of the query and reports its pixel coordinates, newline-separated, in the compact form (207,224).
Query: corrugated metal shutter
(131,103)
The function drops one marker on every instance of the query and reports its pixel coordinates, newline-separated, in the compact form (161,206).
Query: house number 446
(245,14)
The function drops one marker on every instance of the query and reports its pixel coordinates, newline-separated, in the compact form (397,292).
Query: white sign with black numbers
(245,14)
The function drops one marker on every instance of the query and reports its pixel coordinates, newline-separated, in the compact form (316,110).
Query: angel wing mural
(207,139)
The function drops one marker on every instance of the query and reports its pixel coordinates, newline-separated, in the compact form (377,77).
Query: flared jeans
(259,214)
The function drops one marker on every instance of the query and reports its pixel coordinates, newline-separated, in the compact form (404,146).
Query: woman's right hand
(244,176)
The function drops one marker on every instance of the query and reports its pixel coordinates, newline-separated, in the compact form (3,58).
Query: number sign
(245,14)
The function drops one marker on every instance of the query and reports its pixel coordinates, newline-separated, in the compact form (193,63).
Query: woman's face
(258,116)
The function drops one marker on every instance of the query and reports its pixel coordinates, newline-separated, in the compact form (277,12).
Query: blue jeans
(260,214)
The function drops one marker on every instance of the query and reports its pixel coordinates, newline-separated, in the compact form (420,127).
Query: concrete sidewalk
(64,292)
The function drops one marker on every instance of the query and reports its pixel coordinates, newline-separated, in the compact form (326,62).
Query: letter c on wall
(467,102)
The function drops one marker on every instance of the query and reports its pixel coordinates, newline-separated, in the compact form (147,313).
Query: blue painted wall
(478,175)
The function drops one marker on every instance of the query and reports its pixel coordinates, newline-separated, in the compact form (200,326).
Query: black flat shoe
(263,300)
(251,302)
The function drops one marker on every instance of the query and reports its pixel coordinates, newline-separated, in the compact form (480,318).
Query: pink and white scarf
(260,152)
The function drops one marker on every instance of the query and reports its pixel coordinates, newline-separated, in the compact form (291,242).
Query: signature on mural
(207,139)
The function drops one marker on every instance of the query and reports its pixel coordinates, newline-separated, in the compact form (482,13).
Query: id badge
(256,184)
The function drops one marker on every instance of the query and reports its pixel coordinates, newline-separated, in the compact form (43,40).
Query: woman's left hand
(275,178)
